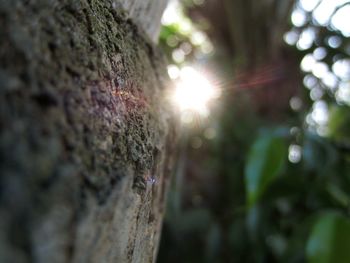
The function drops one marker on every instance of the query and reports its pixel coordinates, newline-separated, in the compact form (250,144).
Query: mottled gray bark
(85,130)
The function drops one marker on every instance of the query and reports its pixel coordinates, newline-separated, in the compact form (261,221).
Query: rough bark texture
(85,131)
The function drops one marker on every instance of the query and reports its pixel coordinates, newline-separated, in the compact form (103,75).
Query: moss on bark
(84,126)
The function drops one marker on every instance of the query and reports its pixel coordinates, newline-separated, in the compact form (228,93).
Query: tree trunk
(86,133)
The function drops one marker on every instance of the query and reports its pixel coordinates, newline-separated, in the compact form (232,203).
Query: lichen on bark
(84,124)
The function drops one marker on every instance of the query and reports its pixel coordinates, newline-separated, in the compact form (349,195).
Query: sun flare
(193,91)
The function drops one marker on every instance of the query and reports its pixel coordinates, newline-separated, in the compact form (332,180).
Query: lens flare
(193,92)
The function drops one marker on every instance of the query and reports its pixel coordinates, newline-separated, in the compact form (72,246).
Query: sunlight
(334,41)
(294,153)
(193,91)
(309,81)
(173,71)
(309,5)
(307,63)
(291,37)
(298,17)
(306,39)
(319,69)
(324,12)
(341,69)
(330,80)
(341,20)
(295,103)
(172,13)
(320,112)
(320,53)
(343,93)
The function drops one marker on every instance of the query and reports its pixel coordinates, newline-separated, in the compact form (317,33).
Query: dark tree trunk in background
(251,33)
(85,131)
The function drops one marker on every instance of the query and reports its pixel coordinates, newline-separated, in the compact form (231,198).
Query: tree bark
(86,133)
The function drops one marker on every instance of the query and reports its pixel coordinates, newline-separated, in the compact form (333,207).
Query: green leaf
(329,241)
(339,123)
(265,160)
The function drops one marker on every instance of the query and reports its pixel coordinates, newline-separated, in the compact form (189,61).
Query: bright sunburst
(193,91)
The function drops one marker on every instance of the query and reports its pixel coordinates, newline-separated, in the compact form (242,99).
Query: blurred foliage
(264,189)
(329,240)
(261,169)
(339,123)
(182,40)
